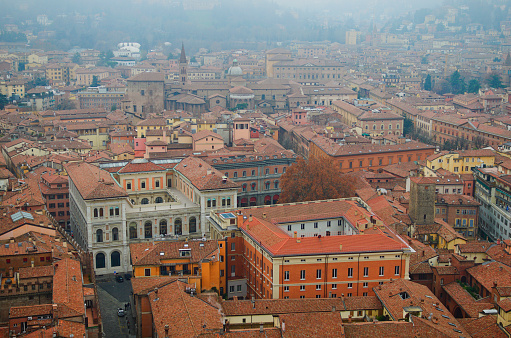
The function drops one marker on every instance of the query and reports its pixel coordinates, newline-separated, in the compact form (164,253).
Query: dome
(235,70)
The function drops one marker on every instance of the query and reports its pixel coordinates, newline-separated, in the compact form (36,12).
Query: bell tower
(183,65)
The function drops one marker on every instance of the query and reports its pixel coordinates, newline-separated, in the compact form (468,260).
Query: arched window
(100,260)
(382,127)
(244,174)
(390,126)
(276,184)
(193,224)
(144,201)
(244,187)
(158,200)
(148,230)
(100,212)
(95,212)
(115,259)
(99,235)
(178,227)
(115,234)
(253,186)
(374,126)
(133,230)
(235,175)
(163,227)
(267,185)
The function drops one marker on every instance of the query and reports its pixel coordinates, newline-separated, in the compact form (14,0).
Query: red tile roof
(67,288)
(202,175)
(397,295)
(148,253)
(196,317)
(489,273)
(139,165)
(93,182)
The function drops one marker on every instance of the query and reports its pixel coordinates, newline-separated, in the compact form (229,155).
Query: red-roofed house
(313,249)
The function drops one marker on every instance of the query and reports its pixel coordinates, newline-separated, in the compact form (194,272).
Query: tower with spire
(183,65)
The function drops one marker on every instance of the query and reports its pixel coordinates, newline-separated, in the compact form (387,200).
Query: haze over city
(273,168)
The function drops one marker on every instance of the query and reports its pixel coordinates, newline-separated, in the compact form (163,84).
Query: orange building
(368,157)
(313,249)
(202,263)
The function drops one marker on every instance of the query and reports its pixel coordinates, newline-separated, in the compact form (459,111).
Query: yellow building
(61,72)
(11,88)
(439,235)
(461,162)
(201,262)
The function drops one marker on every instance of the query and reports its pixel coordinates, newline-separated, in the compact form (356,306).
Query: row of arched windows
(163,229)
(115,260)
(156,200)
(99,235)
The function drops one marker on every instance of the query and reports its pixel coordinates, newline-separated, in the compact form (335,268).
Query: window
(99,236)
(244,174)
(238,288)
(334,286)
(318,286)
(286,275)
(253,172)
(147,272)
(366,272)
(334,273)
(144,201)
(350,272)
(115,234)
(157,183)
(233,246)
(267,171)
(289,227)
(315,225)
(302,288)
(328,223)
(52,205)
(142,184)
(318,274)
(286,288)
(302,274)
(235,174)
(364,294)
(365,284)
(302,226)
(381,270)
(350,285)
(396,270)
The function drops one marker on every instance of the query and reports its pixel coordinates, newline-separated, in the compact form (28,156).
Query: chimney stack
(166,331)
(250,218)
(264,216)
(208,172)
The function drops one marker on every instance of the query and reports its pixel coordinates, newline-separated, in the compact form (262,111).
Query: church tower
(183,65)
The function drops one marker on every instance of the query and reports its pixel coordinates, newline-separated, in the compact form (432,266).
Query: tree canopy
(494,81)
(3,101)
(473,86)
(314,179)
(427,83)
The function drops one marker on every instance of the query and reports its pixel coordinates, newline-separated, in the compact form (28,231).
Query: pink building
(299,116)
(241,129)
(139,147)
(207,140)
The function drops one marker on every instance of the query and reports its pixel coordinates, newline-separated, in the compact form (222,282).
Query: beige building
(145,94)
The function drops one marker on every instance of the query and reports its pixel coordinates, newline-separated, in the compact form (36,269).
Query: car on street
(127,276)
(119,279)
(120,312)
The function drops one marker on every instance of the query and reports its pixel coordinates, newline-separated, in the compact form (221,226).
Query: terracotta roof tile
(93,182)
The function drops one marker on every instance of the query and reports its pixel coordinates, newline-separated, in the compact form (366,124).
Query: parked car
(120,312)
(127,276)
(119,279)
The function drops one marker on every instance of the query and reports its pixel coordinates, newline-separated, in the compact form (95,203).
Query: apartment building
(55,190)
(491,190)
(313,249)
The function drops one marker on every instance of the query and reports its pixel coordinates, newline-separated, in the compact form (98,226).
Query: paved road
(113,295)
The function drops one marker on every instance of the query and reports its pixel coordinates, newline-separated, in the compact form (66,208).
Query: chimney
(208,172)
(166,331)
(494,284)
(283,326)
(264,216)
(156,291)
(349,318)
(423,253)
(261,327)
(333,308)
(330,294)
(250,218)
(295,235)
